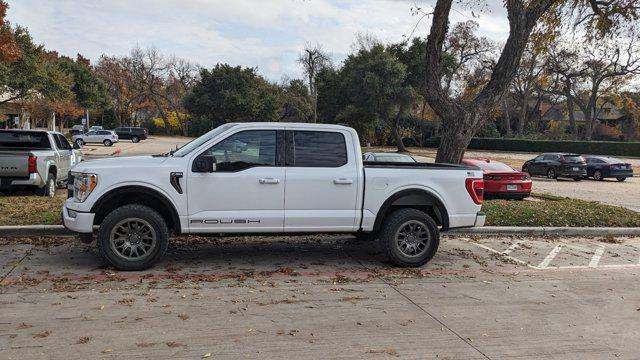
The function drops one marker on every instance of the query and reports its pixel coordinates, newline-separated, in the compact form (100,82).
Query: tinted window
(91,133)
(104,132)
(61,142)
(317,149)
(245,149)
(24,139)
(573,158)
(550,157)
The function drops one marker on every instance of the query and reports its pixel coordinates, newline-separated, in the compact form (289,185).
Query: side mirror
(76,146)
(204,164)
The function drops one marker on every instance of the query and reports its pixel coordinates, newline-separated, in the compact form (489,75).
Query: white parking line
(504,254)
(512,247)
(550,257)
(596,256)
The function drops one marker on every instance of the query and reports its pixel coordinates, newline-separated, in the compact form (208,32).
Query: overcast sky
(267,34)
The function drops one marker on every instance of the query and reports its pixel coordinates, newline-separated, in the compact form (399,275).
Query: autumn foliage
(9,50)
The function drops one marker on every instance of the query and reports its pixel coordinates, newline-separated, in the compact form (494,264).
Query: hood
(120,163)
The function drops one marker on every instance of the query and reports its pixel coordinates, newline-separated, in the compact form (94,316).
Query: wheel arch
(419,199)
(136,194)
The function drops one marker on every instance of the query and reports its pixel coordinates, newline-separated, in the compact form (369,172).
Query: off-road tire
(133,211)
(388,243)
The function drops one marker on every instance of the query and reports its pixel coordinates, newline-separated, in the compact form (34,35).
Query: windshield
(194,144)
(24,139)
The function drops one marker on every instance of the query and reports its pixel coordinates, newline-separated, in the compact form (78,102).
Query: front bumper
(480,219)
(77,221)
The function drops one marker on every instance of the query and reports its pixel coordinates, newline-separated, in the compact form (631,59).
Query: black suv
(134,134)
(555,165)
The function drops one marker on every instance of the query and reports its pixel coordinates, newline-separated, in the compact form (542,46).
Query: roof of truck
(294,124)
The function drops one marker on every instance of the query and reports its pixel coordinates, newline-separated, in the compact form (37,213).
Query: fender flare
(434,200)
(137,189)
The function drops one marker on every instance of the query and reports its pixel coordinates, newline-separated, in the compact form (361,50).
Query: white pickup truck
(279,178)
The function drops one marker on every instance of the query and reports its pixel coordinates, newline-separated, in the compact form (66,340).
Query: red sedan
(501,180)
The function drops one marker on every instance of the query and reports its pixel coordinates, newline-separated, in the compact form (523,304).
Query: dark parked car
(601,167)
(134,134)
(555,165)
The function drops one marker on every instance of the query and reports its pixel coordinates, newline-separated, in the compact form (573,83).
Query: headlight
(83,185)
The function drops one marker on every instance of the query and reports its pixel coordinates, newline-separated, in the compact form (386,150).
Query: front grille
(70,182)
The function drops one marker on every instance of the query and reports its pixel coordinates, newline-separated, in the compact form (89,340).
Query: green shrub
(579,147)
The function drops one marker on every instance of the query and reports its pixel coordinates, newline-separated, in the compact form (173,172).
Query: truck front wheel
(133,237)
(409,238)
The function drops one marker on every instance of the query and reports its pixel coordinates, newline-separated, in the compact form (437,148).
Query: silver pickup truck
(35,159)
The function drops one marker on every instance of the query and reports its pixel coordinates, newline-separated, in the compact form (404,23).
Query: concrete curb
(59,230)
(542,231)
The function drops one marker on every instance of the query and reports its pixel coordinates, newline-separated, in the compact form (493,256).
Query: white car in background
(106,137)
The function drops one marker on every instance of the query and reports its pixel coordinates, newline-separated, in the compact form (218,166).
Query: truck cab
(256,178)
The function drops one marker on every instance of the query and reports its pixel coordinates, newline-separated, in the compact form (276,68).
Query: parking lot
(153,145)
(324,296)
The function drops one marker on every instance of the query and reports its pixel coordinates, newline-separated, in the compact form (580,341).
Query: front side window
(316,149)
(244,150)
(90,133)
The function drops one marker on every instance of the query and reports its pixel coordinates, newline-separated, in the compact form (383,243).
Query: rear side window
(24,139)
(316,149)
(104,132)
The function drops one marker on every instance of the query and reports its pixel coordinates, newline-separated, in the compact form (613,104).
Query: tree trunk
(395,128)
(524,111)
(572,118)
(456,136)
(588,123)
(506,118)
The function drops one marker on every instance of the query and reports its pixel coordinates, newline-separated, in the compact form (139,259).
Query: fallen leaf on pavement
(84,339)
(43,334)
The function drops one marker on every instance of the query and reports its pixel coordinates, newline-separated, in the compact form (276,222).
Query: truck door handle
(269,181)
(342,181)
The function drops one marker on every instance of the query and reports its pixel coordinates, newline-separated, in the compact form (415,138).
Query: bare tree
(182,76)
(463,117)
(585,72)
(149,69)
(312,61)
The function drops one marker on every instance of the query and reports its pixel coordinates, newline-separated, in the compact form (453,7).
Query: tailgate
(14,164)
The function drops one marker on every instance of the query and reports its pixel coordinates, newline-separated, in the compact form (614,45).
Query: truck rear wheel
(49,188)
(409,238)
(133,237)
